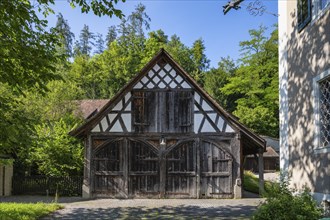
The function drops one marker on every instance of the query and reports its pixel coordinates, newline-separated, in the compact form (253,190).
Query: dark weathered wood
(261,172)
(216,171)
(162,170)
(143,170)
(198,168)
(125,166)
(181,170)
(108,169)
(163,111)
(88,173)
(219,136)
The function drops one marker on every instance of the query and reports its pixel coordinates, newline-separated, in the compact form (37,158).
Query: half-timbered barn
(163,136)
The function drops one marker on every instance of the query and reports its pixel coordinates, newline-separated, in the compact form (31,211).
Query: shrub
(251,183)
(26,211)
(282,203)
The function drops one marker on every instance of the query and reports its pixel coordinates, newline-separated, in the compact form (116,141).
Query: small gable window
(304,14)
(165,111)
(143,110)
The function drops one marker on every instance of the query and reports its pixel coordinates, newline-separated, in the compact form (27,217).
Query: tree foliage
(54,151)
(23,36)
(36,94)
(63,29)
(256,83)
(29,57)
(217,78)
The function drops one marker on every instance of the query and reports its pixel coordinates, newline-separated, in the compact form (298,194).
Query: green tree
(86,41)
(181,53)
(55,152)
(99,43)
(200,61)
(139,21)
(111,35)
(157,40)
(29,54)
(66,36)
(255,83)
(217,78)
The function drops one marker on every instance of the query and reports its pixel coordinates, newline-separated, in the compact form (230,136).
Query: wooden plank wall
(197,168)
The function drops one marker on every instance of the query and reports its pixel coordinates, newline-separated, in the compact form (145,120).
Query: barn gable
(163,75)
(163,136)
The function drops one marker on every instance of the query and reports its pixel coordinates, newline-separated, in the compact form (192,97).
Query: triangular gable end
(163,74)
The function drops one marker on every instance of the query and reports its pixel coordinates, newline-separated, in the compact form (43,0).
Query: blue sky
(190,20)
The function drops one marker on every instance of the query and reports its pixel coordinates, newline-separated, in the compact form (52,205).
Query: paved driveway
(158,209)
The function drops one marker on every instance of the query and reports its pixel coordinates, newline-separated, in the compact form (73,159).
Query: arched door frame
(111,176)
(161,154)
(181,181)
(231,161)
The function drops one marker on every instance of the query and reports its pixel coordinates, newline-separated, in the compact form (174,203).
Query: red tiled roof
(89,107)
(270,152)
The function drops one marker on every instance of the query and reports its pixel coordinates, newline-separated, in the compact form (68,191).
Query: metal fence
(43,185)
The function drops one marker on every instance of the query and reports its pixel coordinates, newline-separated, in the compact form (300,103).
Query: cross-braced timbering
(162,136)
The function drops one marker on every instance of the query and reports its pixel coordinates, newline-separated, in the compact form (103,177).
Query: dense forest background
(38,101)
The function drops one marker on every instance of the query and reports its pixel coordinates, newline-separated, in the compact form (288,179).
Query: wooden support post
(87,184)
(236,170)
(125,156)
(261,172)
(198,169)
(162,170)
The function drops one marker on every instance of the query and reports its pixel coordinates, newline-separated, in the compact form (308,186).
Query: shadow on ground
(165,212)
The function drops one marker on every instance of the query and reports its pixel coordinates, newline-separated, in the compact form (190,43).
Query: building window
(303,13)
(163,111)
(324,111)
(319,7)
(143,111)
(321,87)
(324,4)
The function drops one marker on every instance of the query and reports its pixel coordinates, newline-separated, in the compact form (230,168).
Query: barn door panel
(143,171)
(216,172)
(181,171)
(108,170)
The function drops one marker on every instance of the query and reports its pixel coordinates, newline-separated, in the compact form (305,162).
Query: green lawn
(26,211)
(251,183)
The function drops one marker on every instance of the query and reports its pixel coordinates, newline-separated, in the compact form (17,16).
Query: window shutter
(143,111)
(185,110)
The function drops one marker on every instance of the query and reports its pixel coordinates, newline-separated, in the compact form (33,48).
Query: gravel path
(158,209)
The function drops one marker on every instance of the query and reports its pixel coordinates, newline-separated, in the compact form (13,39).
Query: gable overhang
(251,142)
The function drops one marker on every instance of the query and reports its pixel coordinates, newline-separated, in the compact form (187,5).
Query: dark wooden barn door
(216,172)
(131,168)
(108,163)
(143,171)
(181,171)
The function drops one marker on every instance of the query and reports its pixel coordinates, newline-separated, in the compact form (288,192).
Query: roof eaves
(82,130)
(260,141)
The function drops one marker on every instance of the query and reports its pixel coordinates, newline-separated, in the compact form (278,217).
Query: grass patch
(26,211)
(251,183)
